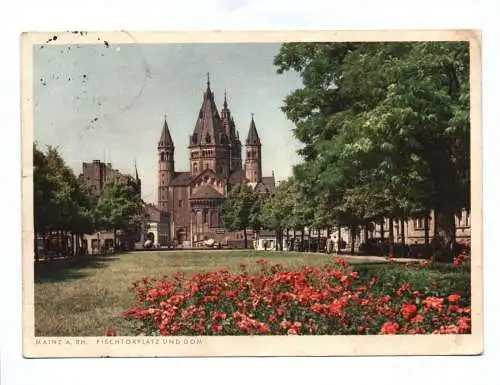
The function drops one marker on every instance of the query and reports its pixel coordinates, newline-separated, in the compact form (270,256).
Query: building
(157,227)
(95,175)
(191,199)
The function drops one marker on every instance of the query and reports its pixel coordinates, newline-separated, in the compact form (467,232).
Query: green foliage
(384,126)
(61,201)
(241,210)
(119,207)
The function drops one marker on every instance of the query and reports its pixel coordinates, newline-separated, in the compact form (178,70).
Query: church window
(195,138)
(162,156)
(195,167)
(248,154)
(206,166)
(208,139)
(180,202)
(205,216)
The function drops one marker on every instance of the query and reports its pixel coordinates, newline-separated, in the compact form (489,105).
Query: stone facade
(96,174)
(191,199)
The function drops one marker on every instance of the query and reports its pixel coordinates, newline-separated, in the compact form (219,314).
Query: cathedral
(190,200)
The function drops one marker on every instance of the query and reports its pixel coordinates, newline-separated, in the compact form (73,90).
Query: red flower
(434,303)
(264,328)
(409,310)
(464,324)
(111,333)
(389,328)
(454,298)
(418,318)
(336,307)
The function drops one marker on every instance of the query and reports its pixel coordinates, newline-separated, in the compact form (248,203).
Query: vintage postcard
(252,193)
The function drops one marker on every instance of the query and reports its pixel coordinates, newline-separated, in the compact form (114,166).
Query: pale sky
(99,102)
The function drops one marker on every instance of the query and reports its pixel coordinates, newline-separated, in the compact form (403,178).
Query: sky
(108,102)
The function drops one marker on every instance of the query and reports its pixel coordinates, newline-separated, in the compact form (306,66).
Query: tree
(390,114)
(278,209)
(119,208)
(62,204)
(241,210)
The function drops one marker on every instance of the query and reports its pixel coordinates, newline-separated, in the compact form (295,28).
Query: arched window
(162,156)
(206,166)
(205,216)
(208,139)
(195,167)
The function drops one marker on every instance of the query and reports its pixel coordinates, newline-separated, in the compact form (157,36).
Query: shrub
(393,298)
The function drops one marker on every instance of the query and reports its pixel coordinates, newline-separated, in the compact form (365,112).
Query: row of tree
(385,129)
(65,209)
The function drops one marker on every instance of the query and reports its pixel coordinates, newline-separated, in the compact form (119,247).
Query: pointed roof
(253,137)
(136,173)
(165,138)
(208,128)
(228,122)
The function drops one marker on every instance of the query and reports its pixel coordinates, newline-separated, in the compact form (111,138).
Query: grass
(87,297)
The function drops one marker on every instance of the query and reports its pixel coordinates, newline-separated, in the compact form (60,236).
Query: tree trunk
(339,240)
(36,246)
(353,239)
(309,239)
(403,240)
(245,236)
(426,235)
(382,237)
(44,241)
(114,239)
(391,237)
(444,242)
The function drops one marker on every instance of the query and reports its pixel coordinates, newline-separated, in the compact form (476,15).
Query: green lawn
(87,297)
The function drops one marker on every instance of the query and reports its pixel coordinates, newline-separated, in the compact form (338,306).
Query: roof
(208,129)
(181,179)
(206,192)
(237,177)
(153,212)
(269,182)
(165,138)
(253,137)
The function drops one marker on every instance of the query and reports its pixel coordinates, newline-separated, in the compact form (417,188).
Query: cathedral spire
(253,137)
(208,80)
(136,172)
(225,99)
(165,138)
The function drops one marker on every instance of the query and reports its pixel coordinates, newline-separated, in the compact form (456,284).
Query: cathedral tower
(209,144)
(253,160)
(234,140)
(165,166)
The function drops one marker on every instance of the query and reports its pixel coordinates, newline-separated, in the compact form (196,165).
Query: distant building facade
(191,199)
(95,175)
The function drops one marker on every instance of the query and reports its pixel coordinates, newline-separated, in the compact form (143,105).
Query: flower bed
(336,299)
